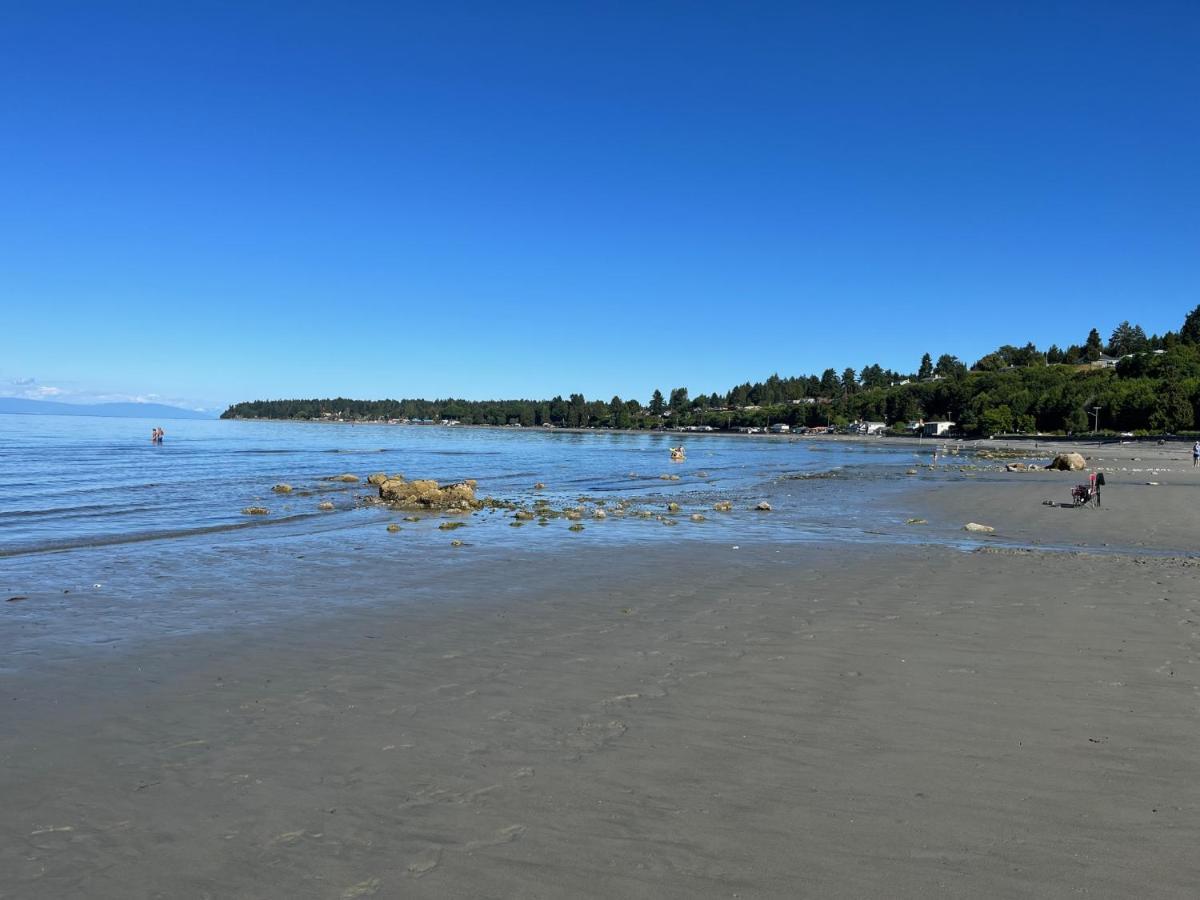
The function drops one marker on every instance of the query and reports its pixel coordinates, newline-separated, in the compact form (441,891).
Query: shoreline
(883,440)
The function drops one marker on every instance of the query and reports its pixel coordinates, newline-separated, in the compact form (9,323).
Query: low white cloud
(30,389)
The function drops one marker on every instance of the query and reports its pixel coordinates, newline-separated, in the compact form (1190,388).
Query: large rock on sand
(1068,462)
(427,494)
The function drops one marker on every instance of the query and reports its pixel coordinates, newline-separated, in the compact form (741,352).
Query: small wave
(92,511)
(34,513)
(109,540)
(259,452)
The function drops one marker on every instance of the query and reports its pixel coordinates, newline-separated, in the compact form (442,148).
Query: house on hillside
(780,428)
(937,429)
(1105,362)
(867,428)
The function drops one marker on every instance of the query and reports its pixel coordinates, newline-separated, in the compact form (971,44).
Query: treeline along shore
(1133,383)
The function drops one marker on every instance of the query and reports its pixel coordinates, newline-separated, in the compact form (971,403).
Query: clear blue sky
(209,202)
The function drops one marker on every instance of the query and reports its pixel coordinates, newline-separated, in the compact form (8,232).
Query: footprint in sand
(362,889)
(425,863)
(622,698)
(592,736)
(288,837)
(505,835)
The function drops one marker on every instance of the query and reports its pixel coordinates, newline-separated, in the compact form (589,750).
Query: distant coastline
(23,406)
(1134,385)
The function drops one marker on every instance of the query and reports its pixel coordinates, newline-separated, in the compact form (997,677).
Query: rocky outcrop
(427,494)
(763,507)
(326,506)
(978,529)
(256,511)
(282,489)
(723,506)
(1068,462)
(379,478)
(348,478)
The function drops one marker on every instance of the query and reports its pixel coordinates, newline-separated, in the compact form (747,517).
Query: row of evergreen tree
(1154,386)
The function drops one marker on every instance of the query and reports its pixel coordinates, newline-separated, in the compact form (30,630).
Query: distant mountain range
(116,410)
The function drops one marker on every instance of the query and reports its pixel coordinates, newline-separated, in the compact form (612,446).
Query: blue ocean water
(107,539)
(87,481)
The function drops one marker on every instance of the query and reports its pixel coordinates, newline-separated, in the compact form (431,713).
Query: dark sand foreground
(690,721)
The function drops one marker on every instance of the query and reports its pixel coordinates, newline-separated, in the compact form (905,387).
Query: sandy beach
(687,720)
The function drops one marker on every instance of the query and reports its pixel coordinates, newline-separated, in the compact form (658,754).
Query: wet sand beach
(671,720)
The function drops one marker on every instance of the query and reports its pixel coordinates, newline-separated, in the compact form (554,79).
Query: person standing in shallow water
(1195,454)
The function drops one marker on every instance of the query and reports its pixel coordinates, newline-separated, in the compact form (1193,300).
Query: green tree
(656,403)
(1127,339)
(996,420)
(1174,411)
(849,383)
(829,383)
(577,415)
(926,369)
(1092,347)
(679,399)
(993,362)
(616,409)
(1190,332)
(949,366)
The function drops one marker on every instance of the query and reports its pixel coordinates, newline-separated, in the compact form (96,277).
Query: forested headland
(1140,383)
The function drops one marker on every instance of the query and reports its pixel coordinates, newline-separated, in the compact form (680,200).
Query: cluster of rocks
(427,495)
(1062,462)
(423,493)
(1001,453)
